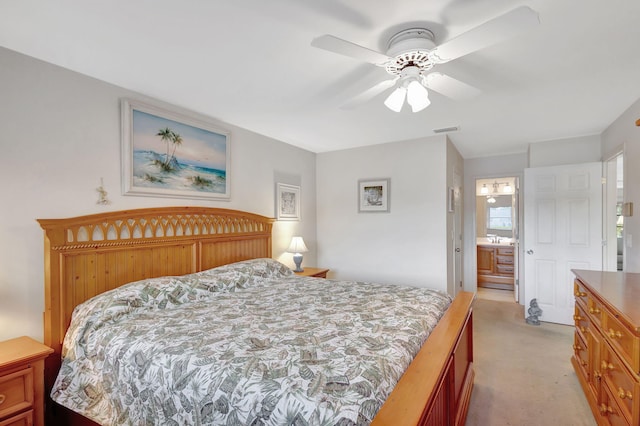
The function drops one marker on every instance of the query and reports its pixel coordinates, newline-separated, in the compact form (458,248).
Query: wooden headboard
(88,255)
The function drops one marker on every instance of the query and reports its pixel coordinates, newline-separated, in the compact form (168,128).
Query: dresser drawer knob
(579,293)
(594,310)
(624,394)
(2,398)
(607,366)
(577,348)
(605,409)
(614,334)
(577,318)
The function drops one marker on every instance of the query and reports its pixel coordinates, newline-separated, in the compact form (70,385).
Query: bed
(196,255)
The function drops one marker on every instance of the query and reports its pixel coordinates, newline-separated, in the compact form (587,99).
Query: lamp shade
(396,99)
(297,246)
(417,96)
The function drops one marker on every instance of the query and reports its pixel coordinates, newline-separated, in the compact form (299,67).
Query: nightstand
(22,381)
(313,272)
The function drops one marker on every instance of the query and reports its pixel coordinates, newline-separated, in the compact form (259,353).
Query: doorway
(497,238)
(613,258)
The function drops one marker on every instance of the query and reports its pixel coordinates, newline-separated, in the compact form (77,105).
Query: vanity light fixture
(507,188)
(484,190)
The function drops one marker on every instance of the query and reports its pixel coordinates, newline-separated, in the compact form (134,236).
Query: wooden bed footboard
(436,388)
(88,255)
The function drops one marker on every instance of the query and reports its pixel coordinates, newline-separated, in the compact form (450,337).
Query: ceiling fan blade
(368,94)
(491,32)
(449,86)
(352,50)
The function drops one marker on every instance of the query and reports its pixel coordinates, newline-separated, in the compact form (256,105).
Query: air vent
(447,129)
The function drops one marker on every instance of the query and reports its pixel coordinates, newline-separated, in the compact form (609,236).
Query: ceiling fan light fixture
(417,96)
(395,100)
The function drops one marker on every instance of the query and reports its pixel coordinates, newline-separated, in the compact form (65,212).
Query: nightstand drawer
(22,381)
(16,391)
(22,419)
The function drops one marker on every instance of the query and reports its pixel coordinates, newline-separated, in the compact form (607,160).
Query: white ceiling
(250,63)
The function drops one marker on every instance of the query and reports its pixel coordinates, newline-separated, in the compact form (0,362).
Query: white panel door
(562,231)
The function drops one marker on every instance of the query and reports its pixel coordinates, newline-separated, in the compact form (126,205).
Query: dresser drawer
(16,391)
(581,320)
(580,292)
(621,338)
(582,354)
(504,260)
(610,411)
(22,419)
(619,380)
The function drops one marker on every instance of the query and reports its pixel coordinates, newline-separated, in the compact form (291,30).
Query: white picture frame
(287,202)
(171,153)
(451,199)
(374,195)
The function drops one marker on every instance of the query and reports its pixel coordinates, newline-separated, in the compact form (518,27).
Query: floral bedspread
(246,343)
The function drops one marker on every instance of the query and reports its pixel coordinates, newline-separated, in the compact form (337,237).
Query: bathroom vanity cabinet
(495,266)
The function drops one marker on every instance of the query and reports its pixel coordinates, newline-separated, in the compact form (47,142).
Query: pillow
(240,275)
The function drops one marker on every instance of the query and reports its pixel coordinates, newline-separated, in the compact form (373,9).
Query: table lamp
(297,247)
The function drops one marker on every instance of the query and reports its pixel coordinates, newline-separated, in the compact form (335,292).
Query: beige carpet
(523,373)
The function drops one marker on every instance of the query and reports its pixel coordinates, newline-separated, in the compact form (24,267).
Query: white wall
(60,133)
(624,133)
(406,246)
(582,149)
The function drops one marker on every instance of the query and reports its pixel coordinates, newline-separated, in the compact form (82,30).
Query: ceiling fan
(412,53)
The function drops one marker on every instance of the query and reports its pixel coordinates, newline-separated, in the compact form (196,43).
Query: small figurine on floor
(534,312)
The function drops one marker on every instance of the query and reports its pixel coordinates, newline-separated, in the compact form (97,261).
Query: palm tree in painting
(166,135)
(169,137)
(176,140)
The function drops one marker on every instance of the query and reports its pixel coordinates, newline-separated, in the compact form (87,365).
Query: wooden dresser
(22,382)
(495,266)
(607,344)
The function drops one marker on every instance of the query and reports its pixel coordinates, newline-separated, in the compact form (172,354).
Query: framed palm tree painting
(170,153)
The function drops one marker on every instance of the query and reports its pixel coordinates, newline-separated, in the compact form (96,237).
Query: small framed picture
(451,199)
(287,202)
(373,195)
